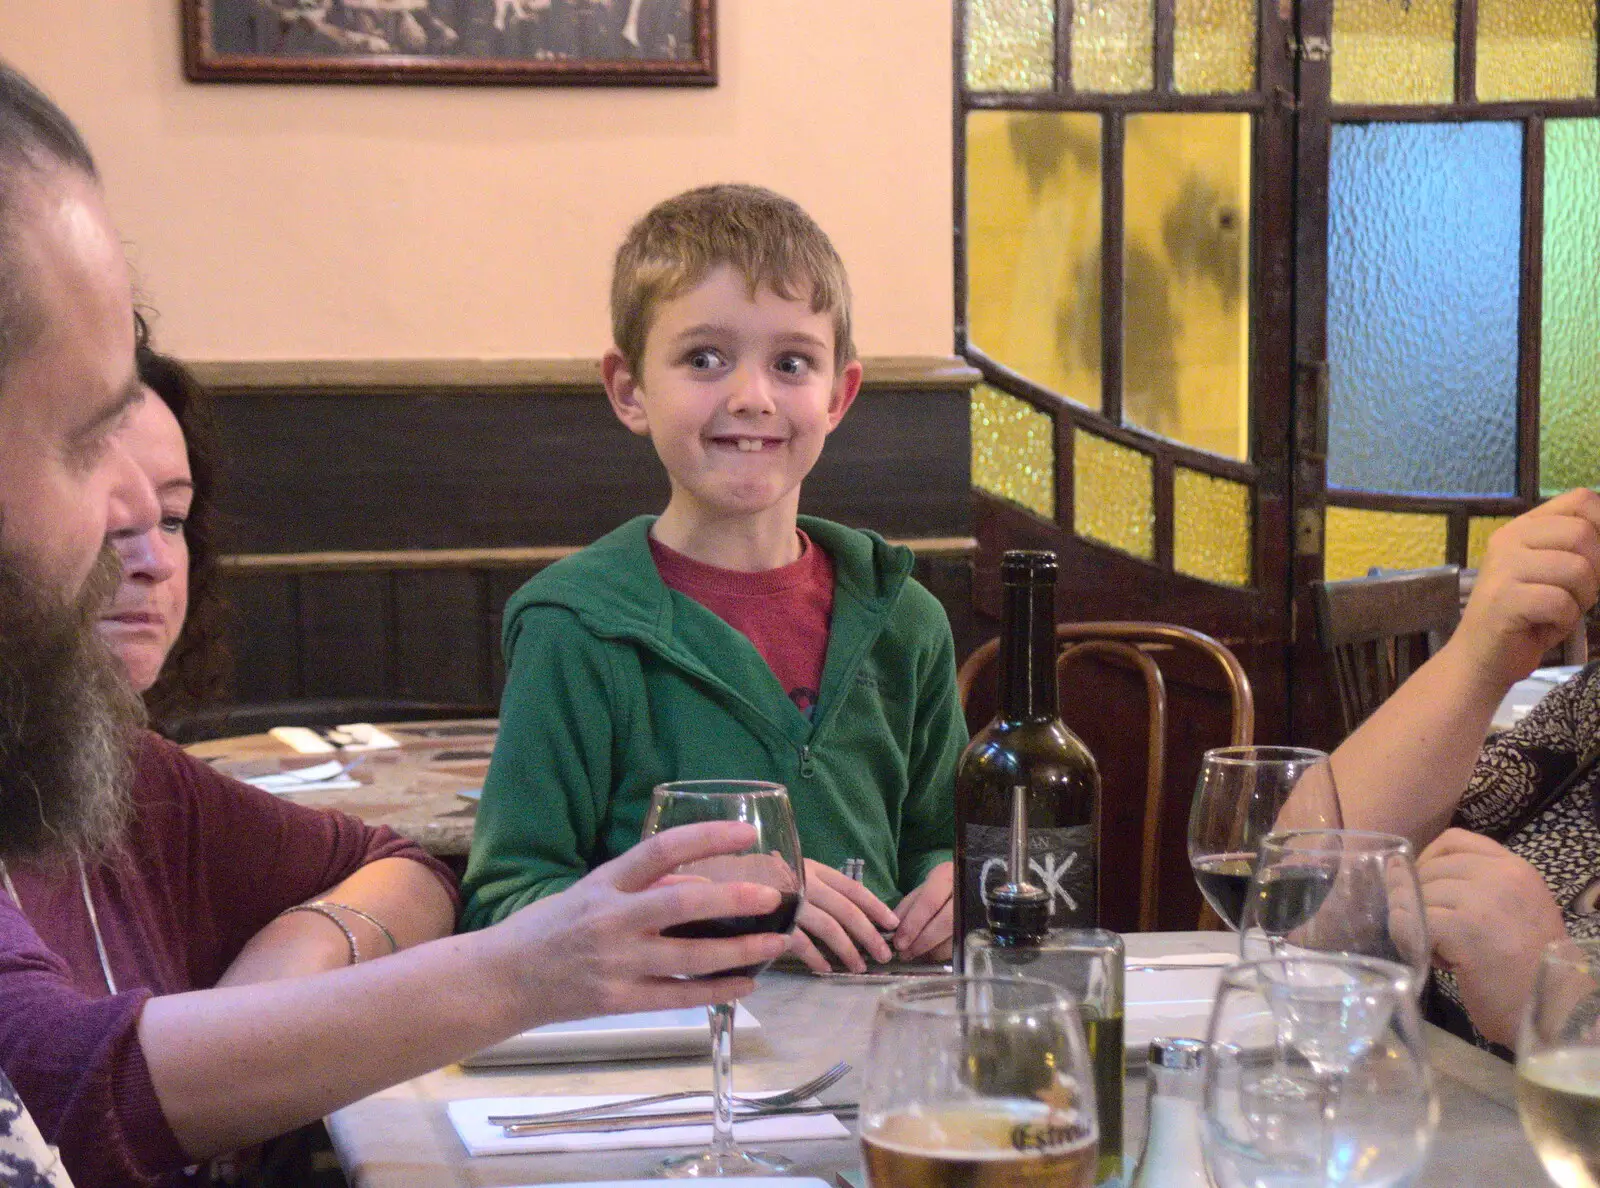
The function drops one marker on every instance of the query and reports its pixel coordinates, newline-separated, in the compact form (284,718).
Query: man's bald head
(36,139)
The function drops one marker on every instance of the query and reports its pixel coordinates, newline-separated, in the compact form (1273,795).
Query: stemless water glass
(978,1081)
(773,860)
(1243,794)
(1318,1076)
(1336,891)
(1558,1064)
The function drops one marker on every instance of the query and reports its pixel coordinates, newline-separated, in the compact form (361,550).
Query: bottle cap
(1019,912)
(1028,565)
(1184,1055)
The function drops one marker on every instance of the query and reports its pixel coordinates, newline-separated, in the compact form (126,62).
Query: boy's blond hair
(767,238)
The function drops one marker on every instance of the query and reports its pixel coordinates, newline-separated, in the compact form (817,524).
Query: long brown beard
(67,720)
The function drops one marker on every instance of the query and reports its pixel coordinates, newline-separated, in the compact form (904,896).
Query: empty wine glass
(1336,891)
(1318,1076)
(1243,794)
(1558,1064)
(773,859)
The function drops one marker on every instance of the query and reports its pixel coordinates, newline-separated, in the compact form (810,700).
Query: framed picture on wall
(541,42)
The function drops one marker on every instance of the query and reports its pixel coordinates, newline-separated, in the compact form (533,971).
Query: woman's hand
(843,915)
(927,917)
(1541,572)
(1490,916)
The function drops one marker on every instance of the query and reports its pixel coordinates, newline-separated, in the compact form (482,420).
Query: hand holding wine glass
(773,860)
(1558,1064)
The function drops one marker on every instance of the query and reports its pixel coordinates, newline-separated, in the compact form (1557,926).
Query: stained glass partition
(1424,232)
(1113,46)
(1479,530)
(1013,450)
(1113,494)
(1186,279)
(1355,540)
(1214,46)
(1394,51)
(1536,49)
(1033,246)
(1569,414)
(1011,45)
(1211,527)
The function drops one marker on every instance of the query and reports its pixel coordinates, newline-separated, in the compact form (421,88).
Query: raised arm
(1404,770)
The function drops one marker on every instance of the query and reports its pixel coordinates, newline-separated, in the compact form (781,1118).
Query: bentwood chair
(1193,694)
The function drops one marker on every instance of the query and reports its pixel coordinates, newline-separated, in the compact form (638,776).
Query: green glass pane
(1033,246)
(1113,494)
(1536,49)
(1214,46)
(1113,46)
(1356,540)
(1014,450)
(1569,413)
(1210,527)
(1394,51)
(1011,45)
(1186,279)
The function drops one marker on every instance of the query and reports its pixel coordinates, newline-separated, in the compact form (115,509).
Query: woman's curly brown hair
(199,669)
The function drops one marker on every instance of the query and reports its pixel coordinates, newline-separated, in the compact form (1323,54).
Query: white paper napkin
(323,777)
(470,1117)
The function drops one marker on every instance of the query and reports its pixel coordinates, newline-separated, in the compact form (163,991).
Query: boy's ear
(622,389)
(845,386)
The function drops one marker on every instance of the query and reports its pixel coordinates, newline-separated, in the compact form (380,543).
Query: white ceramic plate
(648,1035)
(1175,1001)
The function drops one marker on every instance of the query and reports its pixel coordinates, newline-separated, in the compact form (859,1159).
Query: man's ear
(622,389)
(845,386)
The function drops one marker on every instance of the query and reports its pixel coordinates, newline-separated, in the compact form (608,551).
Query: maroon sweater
(208,863)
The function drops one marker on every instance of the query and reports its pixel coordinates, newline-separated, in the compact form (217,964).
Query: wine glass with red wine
(1243,794)
(773,860)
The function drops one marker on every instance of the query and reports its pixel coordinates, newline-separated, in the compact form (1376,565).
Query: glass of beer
(1558,1064)
(981,1083)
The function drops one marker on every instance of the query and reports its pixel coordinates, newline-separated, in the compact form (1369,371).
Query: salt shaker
(1172,1155)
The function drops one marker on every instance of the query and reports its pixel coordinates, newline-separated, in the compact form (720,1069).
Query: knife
(606,1123)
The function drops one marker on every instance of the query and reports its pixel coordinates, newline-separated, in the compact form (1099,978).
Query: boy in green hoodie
(730,637)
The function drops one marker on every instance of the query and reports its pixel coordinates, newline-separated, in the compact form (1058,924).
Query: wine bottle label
(1061,861)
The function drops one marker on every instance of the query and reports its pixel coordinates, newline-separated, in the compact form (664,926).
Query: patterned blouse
(26,1160)
(1561,839)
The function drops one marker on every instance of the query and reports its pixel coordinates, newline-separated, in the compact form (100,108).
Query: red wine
(780,919)
(1289,896)
(1224,879)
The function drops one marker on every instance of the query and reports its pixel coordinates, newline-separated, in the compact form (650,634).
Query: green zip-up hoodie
(616,683)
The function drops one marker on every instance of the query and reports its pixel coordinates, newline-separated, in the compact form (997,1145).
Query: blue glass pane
(1424,228)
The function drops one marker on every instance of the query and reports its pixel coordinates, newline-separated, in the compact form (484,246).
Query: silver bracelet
(327,914)
(394,946)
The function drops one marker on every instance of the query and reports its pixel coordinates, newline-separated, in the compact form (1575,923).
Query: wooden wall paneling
(503,583)
(347,634)
(440,638)
(264,636)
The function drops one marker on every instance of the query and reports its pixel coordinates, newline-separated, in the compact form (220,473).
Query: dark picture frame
(478,42)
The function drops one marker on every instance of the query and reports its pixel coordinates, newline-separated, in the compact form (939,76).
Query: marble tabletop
(401,1138)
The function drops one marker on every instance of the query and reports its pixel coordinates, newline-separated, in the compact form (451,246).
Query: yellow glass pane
(1011,45)
(1014,450)
(1479,530)
(1355,540)
(1113,46)
(1211,527)
(1186,279)
(1385,51)
(1033,246)
(1214,46)
(1113,495)
(1536,49)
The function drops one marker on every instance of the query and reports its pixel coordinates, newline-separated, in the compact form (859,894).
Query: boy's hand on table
(927,917)
(843,915)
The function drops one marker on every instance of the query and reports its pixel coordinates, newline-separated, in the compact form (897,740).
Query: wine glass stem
(721,1077)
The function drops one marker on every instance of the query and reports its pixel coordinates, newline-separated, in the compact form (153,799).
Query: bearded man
(187,965)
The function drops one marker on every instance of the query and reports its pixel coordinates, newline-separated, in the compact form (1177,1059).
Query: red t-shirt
(785,612)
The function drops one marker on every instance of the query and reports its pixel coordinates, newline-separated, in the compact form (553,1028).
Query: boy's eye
(704,359)
(795,365)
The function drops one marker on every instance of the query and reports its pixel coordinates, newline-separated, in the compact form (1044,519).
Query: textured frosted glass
(1013,450)
(1355,540)
(1424,233)
(1211,527)
(1033,246)
(1535,49)
(1569,413)
(1479,530)
(1395,51)
(1113,495)
(1186,279)
(1113,46)
(1214,46)
(1011,45)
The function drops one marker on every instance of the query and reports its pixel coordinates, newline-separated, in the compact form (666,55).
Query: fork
(788,1097)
